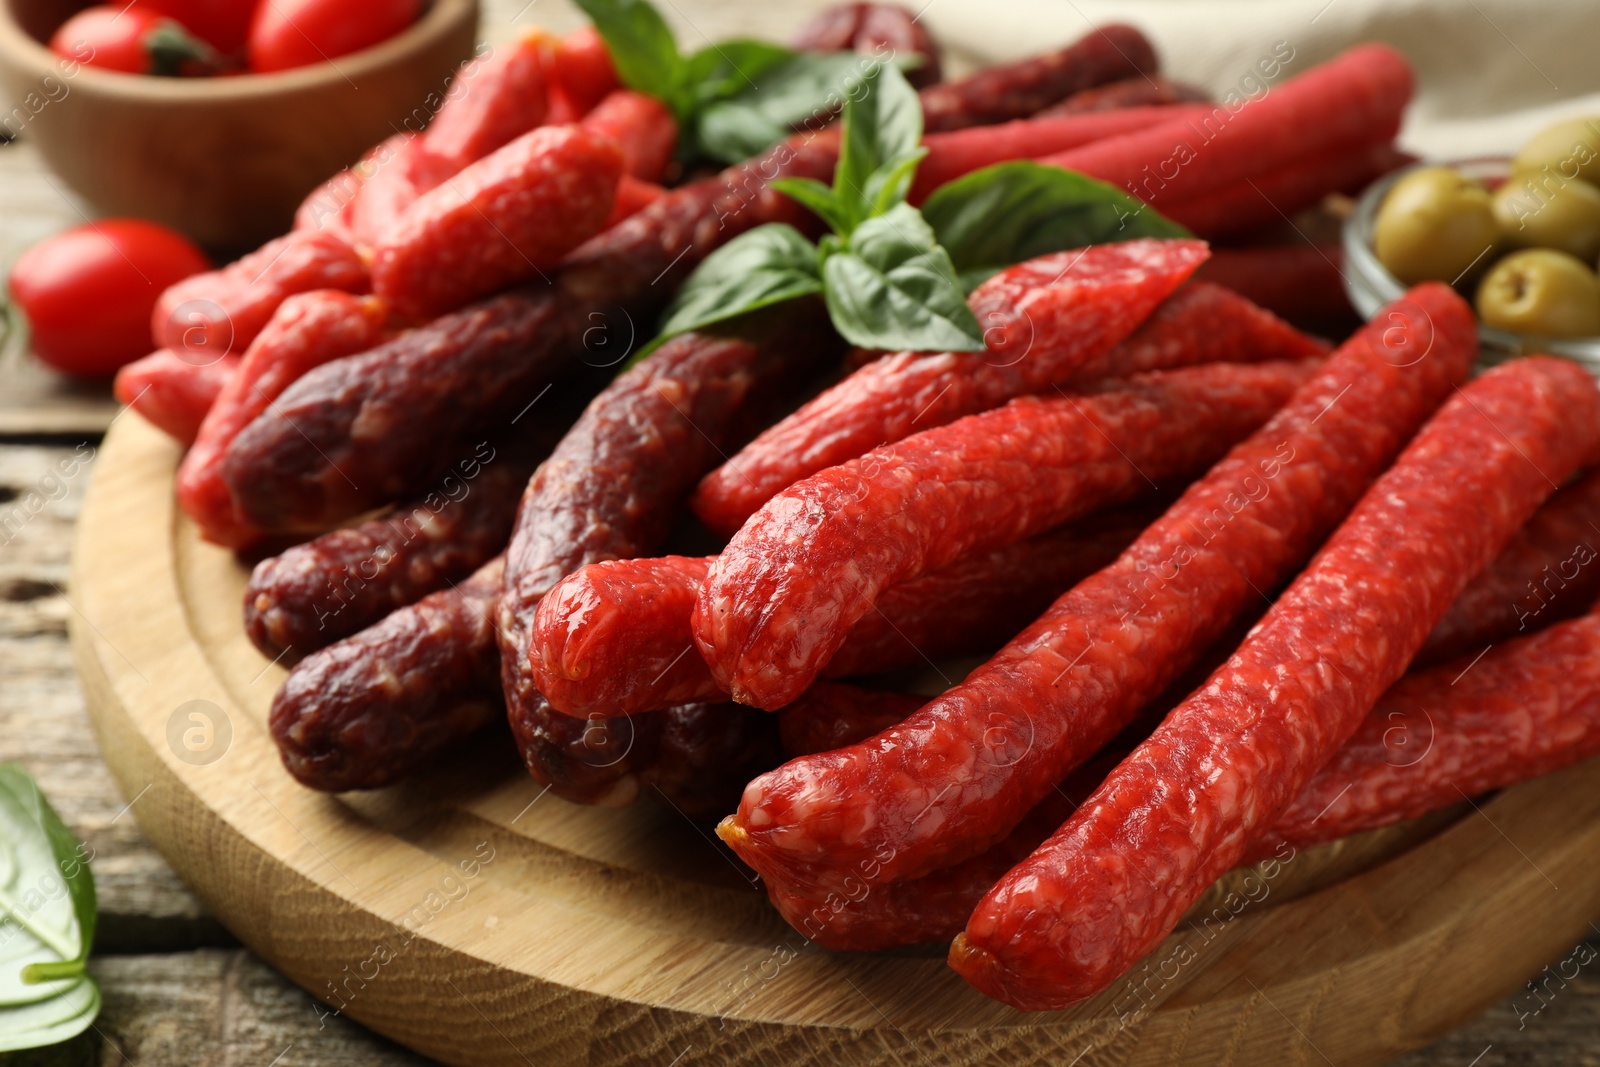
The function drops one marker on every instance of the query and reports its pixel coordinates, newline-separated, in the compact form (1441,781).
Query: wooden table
(179,990)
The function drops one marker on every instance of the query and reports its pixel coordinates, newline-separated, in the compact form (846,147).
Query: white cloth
(1489,72)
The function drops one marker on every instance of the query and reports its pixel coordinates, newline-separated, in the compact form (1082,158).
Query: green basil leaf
(765,266)
(882,126)
(1010,212)
(642,48)
(41,1023)
(729,68)
(805,88)
(727,133)
(819,198)
(889,184)
(47,900)
(894,287)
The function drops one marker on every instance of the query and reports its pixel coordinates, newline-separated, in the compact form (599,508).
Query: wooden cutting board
(475,919)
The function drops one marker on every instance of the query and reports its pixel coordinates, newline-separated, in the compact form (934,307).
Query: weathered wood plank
(43,725)
(212,1008)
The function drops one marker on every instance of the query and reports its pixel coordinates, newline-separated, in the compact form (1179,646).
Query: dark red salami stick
(617,481)
(384,703)
(781,598)
(639,263)
(342,582)
(615,638)
(1550,571)
(307,330)
(707,753)
(325,453)
(1015,90)
(699,755)
(874,30)
(1046,320)
(601,760)
(362,431)
(831,715)
(960,773)
(1183,808)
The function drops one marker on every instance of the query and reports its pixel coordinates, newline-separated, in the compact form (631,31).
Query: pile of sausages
(1204,560)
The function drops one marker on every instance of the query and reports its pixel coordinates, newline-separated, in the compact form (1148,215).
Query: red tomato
(109,37)
(223,24)
(132,40)
(88,292)
(298,33)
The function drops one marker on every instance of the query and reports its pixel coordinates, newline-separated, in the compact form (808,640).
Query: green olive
(1538,211)
(1541,291)
(1569,149)
(1434,225)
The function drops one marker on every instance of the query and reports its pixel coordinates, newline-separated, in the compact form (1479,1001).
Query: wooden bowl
(225,160)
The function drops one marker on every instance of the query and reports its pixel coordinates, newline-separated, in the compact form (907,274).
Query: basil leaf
(642,48)
(804,88)
(47,901)
(728,68)
(1010,212)
(765,266)
(813,194)
(65,1015)
(894,287)
(882,126)
(889,184)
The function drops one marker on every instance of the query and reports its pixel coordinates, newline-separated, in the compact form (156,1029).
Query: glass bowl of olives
(1519,237)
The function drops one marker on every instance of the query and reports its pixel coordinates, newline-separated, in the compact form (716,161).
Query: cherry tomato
(108,37)
(88,292)
(132,40)
(298,33)
(223,24)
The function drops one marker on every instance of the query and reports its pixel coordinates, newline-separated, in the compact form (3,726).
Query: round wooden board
(476,920)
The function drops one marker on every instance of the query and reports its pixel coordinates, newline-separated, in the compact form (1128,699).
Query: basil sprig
(47,920)
(894,277)
(733,99)
(886,281)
